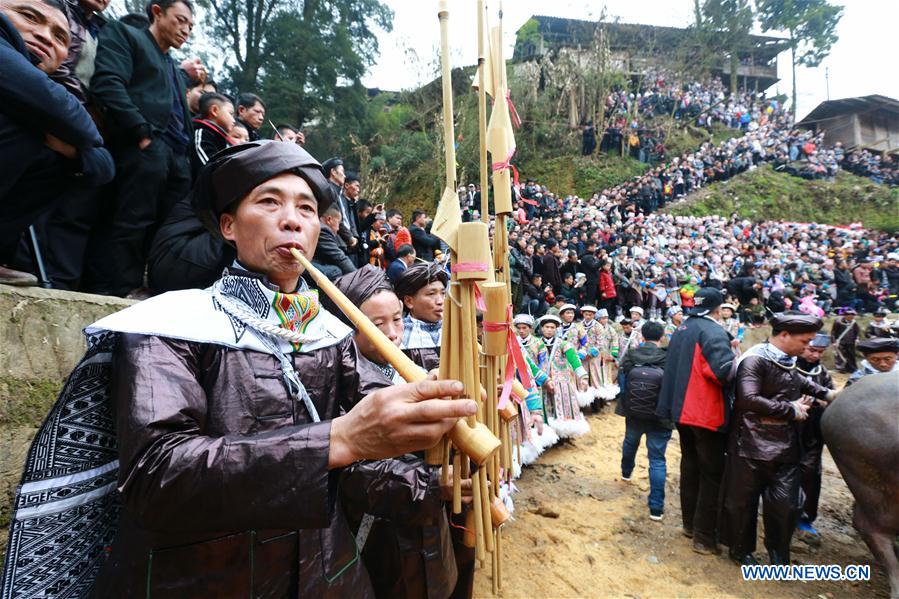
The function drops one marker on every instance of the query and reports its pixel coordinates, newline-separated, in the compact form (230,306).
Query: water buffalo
(861,429)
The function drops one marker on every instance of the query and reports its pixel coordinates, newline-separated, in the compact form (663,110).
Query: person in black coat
(336,175)
(423,242)
(48,142)
(184,254)
(330,253)
(142,94)
(551,272)
(657,430)
(590,265)
(809,365)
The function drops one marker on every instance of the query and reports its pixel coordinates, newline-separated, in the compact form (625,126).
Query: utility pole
(827,81)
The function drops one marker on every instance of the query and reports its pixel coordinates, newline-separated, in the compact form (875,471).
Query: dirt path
(602,542)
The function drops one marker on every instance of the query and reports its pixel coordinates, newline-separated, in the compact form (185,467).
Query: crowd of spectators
(632,128)
(100,202)
(102,133)
(612,255)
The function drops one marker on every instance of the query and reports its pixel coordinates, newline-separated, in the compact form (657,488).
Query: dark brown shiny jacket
(224,478)
(409,552)
(763,421)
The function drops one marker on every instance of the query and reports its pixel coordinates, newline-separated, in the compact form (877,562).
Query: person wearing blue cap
(809,365)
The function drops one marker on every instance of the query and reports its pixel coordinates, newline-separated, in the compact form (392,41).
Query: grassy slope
(766,194)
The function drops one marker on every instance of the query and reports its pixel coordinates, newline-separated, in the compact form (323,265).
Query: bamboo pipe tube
(493,420)
(495,565)
(471,381)
(457,490)
(478,524)
(487,522)
(446,74)
(473,438)
(499,559)
(468,538)
(482,111)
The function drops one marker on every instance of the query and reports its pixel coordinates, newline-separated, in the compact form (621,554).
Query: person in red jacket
(607,294)
(700,365)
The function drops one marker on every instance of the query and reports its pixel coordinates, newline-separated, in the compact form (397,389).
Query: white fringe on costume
(533,448)
(568,428)
(607,392)
(585,398)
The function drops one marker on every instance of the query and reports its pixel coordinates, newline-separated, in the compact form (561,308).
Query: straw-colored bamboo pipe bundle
(475,440)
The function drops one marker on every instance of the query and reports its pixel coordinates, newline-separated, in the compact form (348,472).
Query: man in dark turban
(421,288)
(764,447)
(220,420)
(880,356)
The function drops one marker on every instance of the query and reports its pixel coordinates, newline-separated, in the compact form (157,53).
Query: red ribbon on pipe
(513,114)
(516,361)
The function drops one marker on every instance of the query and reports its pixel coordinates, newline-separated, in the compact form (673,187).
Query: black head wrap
(358,286)
(235,171)
(419,275)
(795,323)
(878,345)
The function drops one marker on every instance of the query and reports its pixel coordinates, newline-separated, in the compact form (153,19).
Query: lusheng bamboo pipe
(482,112)
(476,441)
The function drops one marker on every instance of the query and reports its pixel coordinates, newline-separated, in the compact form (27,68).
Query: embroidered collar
(230,312)
(770,353)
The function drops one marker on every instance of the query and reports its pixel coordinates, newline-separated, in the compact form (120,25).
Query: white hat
(523,319)
(636,309)
(589,308)
(567,307)
(731,306)
(602,313)
(549,318)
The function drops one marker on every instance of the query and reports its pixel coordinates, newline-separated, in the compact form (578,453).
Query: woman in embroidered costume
(570,330)
(608,353)
(573,332)
(589,350)
(566,377)
(540,437)
(591,355)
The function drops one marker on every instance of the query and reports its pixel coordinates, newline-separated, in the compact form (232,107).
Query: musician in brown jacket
(224,424)
(764,446)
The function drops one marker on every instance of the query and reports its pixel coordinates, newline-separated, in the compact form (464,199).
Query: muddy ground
(580,531)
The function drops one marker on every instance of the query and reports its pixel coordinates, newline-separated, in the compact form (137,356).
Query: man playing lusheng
(234,407)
